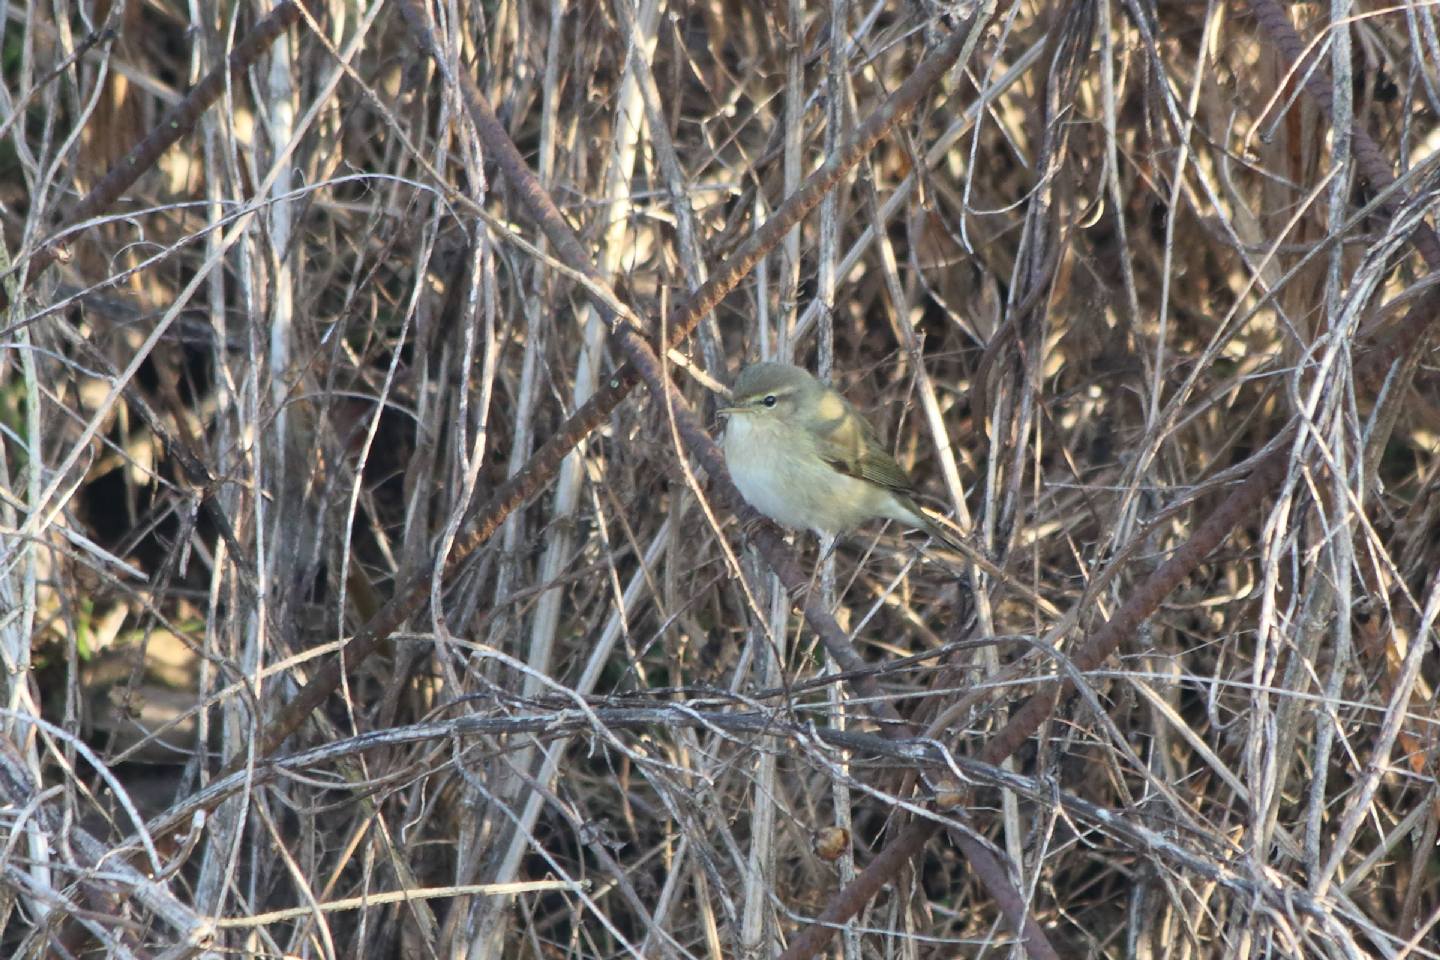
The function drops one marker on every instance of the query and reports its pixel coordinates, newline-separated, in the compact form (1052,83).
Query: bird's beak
(727,411)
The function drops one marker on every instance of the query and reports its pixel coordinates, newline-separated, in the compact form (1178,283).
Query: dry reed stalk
(333,593)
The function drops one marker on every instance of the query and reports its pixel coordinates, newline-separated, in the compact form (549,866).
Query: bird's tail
(942,531)
(952,537)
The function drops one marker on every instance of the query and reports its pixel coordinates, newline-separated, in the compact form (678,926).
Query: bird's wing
(849,444)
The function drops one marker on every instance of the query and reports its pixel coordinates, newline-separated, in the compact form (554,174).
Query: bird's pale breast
(779,472)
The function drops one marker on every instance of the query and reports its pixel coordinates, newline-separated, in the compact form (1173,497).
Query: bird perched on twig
(803,456)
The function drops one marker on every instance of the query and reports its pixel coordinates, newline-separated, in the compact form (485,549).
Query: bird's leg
(825,573)
(828,542)
(752,525)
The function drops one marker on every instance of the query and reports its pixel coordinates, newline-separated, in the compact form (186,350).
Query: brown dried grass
(264,392)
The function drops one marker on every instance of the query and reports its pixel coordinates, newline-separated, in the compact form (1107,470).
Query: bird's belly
(795,487)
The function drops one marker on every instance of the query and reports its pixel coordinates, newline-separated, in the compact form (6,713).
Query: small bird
(801,454)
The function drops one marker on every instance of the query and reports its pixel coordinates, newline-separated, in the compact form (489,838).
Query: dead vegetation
(316,646)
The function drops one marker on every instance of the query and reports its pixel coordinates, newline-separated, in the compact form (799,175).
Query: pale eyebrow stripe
(777,392)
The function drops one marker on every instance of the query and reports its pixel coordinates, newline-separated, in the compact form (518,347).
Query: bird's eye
(769,400)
